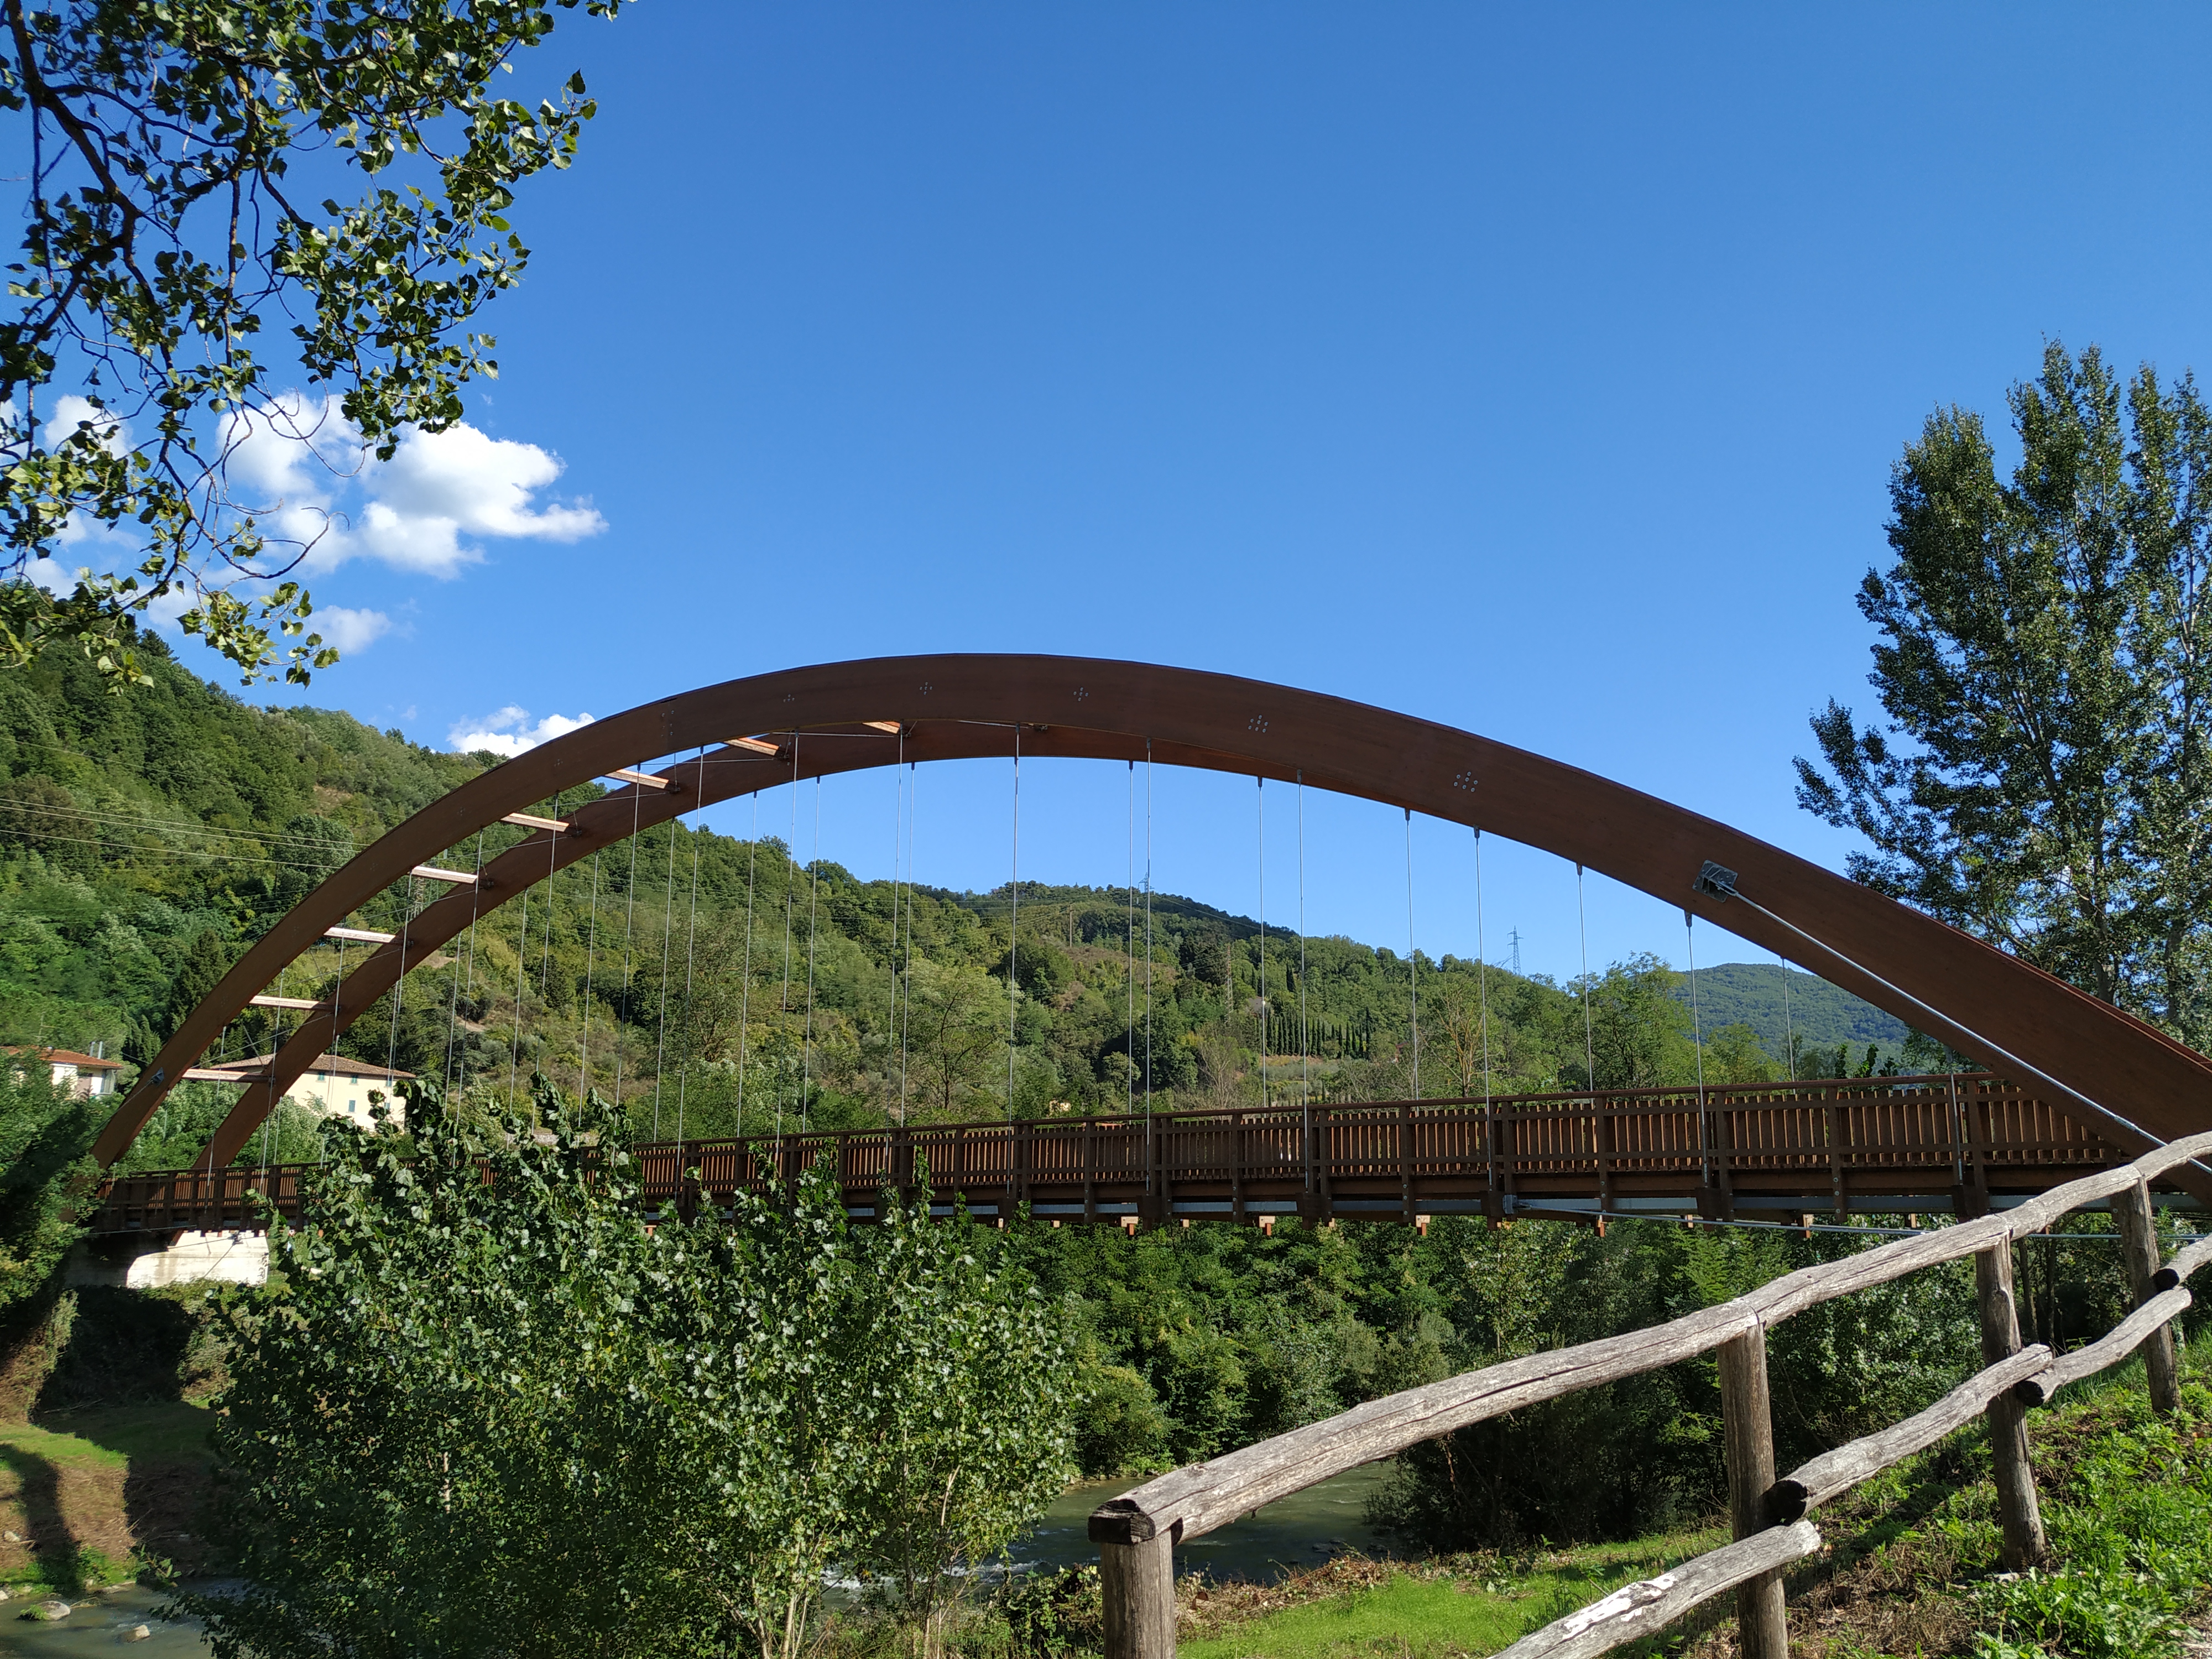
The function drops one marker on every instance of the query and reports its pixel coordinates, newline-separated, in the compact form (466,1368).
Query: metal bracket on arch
(1715,881)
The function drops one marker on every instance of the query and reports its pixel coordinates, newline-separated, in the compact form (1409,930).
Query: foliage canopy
(186,161)
(481,1407)
(2044,777)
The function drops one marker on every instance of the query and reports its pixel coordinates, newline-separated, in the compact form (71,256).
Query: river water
(103,1627)
(1303,1530)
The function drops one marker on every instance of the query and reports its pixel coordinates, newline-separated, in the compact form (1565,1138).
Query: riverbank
(104,1438)
(93,1498)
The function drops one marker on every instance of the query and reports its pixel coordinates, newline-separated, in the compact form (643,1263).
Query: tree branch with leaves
(170,233)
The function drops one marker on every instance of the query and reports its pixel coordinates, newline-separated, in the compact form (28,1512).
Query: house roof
(339,1065)
(71,1057)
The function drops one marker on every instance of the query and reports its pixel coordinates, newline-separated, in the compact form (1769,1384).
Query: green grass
(1406,1615)
(108,1437)
(113,1436)
(1469,1605)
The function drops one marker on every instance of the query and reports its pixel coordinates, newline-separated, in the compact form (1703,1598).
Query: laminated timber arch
(2135,1084)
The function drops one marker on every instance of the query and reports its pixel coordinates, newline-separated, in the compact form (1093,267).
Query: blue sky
(1536,370)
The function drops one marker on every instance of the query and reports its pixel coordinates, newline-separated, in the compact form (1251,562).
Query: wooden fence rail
(1137,1532)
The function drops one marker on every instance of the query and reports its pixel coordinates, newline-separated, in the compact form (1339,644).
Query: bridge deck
(1936,1143)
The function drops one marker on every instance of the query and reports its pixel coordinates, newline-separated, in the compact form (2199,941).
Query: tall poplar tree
(2044,775)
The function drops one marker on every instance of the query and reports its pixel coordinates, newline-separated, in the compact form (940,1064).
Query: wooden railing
(1935,1142)
(1137,1532)
(1945,1142)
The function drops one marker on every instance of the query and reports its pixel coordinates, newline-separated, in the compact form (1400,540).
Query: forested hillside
(1783,1004)
(148,834)
(147,837)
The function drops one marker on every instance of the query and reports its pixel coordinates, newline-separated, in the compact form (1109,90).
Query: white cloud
(349,630)
(56,578)
(71,411)
(304,469)
(439,487)
(508,732)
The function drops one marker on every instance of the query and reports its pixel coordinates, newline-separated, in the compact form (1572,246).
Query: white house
(80,1074)
(333,1085)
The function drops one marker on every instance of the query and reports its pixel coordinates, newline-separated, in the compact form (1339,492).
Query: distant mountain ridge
(1775,1002)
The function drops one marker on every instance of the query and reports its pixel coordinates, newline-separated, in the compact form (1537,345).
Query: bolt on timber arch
(2136,1084)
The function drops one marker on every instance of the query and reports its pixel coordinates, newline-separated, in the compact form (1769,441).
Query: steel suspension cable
(790,895)
(1789,1021)
(398,984)
(337,991)
(1129,850)
(591,977)
(1413,955)
(1698,1034)
(275,1043)
(475,905)
(1014,929)
(1148,964)
(898,813)
(552,860)
(522,981)
(667,943)
(1305,1039)
(746,986)
(690,937)
(906,1023)
(1482,973)
(1266,1008)
(629,927)
(453,1011)
(813,896)
(1590,1042)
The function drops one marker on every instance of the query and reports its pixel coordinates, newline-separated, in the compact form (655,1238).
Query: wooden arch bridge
(2075,1085)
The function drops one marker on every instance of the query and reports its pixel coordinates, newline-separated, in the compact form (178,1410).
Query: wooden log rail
(1137,1532)
(1953,1143)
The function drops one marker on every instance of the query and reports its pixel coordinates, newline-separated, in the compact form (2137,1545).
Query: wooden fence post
(1136,1582)
(1748,1431)
(2019,1515)
(2139,1245)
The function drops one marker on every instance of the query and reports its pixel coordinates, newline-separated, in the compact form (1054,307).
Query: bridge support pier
(2019,1516)
(1747,1432)
(1136,1582)
(2139,1244)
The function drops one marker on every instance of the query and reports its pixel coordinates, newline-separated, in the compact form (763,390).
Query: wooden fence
(1946,1142)
(1942,1142)
(1137,1532)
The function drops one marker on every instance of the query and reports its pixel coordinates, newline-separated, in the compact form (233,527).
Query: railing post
(1138,1585)
(1406,1162)
(1236,1167)
(1747,1432)
(2139,1245)
(2019,1515)
(1324,1162)
(1601,1144)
